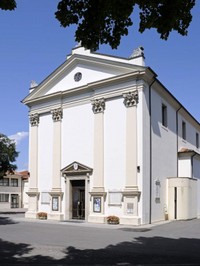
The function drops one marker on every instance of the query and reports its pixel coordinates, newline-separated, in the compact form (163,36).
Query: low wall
(182,198)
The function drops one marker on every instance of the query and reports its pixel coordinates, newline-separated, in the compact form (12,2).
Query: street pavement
(43,242)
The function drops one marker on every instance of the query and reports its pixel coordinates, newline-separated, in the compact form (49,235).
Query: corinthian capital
(57,114)
(34,119)
(131,98)
(98,106)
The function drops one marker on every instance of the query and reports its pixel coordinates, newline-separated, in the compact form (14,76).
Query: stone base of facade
(56,216)
(130,220)
(31,215)
(96,219)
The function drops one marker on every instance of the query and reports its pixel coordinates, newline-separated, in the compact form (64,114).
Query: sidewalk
(78,223)
(13,211)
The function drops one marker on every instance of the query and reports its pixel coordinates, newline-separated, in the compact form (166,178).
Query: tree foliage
(106,21)
(8,4)
(8,155)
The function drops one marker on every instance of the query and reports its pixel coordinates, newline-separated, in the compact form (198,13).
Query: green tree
(8,155)
(8,4)
(106,21)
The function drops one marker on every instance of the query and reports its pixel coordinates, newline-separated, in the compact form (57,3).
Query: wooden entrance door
(78,199)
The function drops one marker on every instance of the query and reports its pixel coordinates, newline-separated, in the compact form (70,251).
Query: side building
(12,191)
(107,138)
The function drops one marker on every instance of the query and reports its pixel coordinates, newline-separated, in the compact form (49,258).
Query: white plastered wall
(77,138)
(185,163)
(66,80)
(114,151)
(191,130)
(77,135)
(186,199)
(184,166)
(45,157)
(196,175)
(143,125)
(164,154)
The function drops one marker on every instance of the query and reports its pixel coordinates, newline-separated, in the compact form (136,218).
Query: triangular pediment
(80,70)
(76,168)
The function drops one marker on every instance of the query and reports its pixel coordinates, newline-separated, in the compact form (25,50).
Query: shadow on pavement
(142,250)
(140,230)
(7,220)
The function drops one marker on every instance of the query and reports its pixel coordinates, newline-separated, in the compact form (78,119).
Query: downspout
(21,192)
(150,149)
(177,173)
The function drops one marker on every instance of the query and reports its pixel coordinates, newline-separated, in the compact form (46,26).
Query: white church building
(107,138)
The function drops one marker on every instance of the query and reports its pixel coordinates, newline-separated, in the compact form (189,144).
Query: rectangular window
(197,140)
(164,115)
(4,197)
(183,130)
(14,182)
(4,182)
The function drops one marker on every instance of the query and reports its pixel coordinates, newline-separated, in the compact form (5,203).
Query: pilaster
(98,107)
(98,192)
(130,101)
(56,193)
(131,193)
(33,168)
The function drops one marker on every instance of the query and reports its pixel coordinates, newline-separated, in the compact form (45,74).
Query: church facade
(107,138)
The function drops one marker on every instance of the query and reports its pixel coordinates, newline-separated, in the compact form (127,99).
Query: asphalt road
(62,243)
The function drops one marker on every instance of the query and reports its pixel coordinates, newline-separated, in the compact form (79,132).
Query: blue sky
(33,44)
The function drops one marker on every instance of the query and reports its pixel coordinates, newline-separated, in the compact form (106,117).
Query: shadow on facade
(142,250)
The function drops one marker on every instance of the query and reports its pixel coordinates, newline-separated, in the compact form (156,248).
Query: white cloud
(18,137)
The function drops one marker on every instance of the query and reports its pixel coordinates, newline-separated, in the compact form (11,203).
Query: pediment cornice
(87,61)
(92,87)
(76,168)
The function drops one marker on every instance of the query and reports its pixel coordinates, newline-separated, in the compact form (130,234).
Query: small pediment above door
(76,168)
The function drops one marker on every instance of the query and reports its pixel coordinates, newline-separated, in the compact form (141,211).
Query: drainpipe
(21,193)
(177,111)
(150,149)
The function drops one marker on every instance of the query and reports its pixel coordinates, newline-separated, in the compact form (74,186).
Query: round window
(78,76)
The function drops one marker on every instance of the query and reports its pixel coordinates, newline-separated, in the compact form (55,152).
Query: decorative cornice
(34,119)
(57,114)
(98,105)
(76,168)
(131,98)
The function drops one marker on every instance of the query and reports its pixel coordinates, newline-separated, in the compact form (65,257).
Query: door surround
(75,172)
